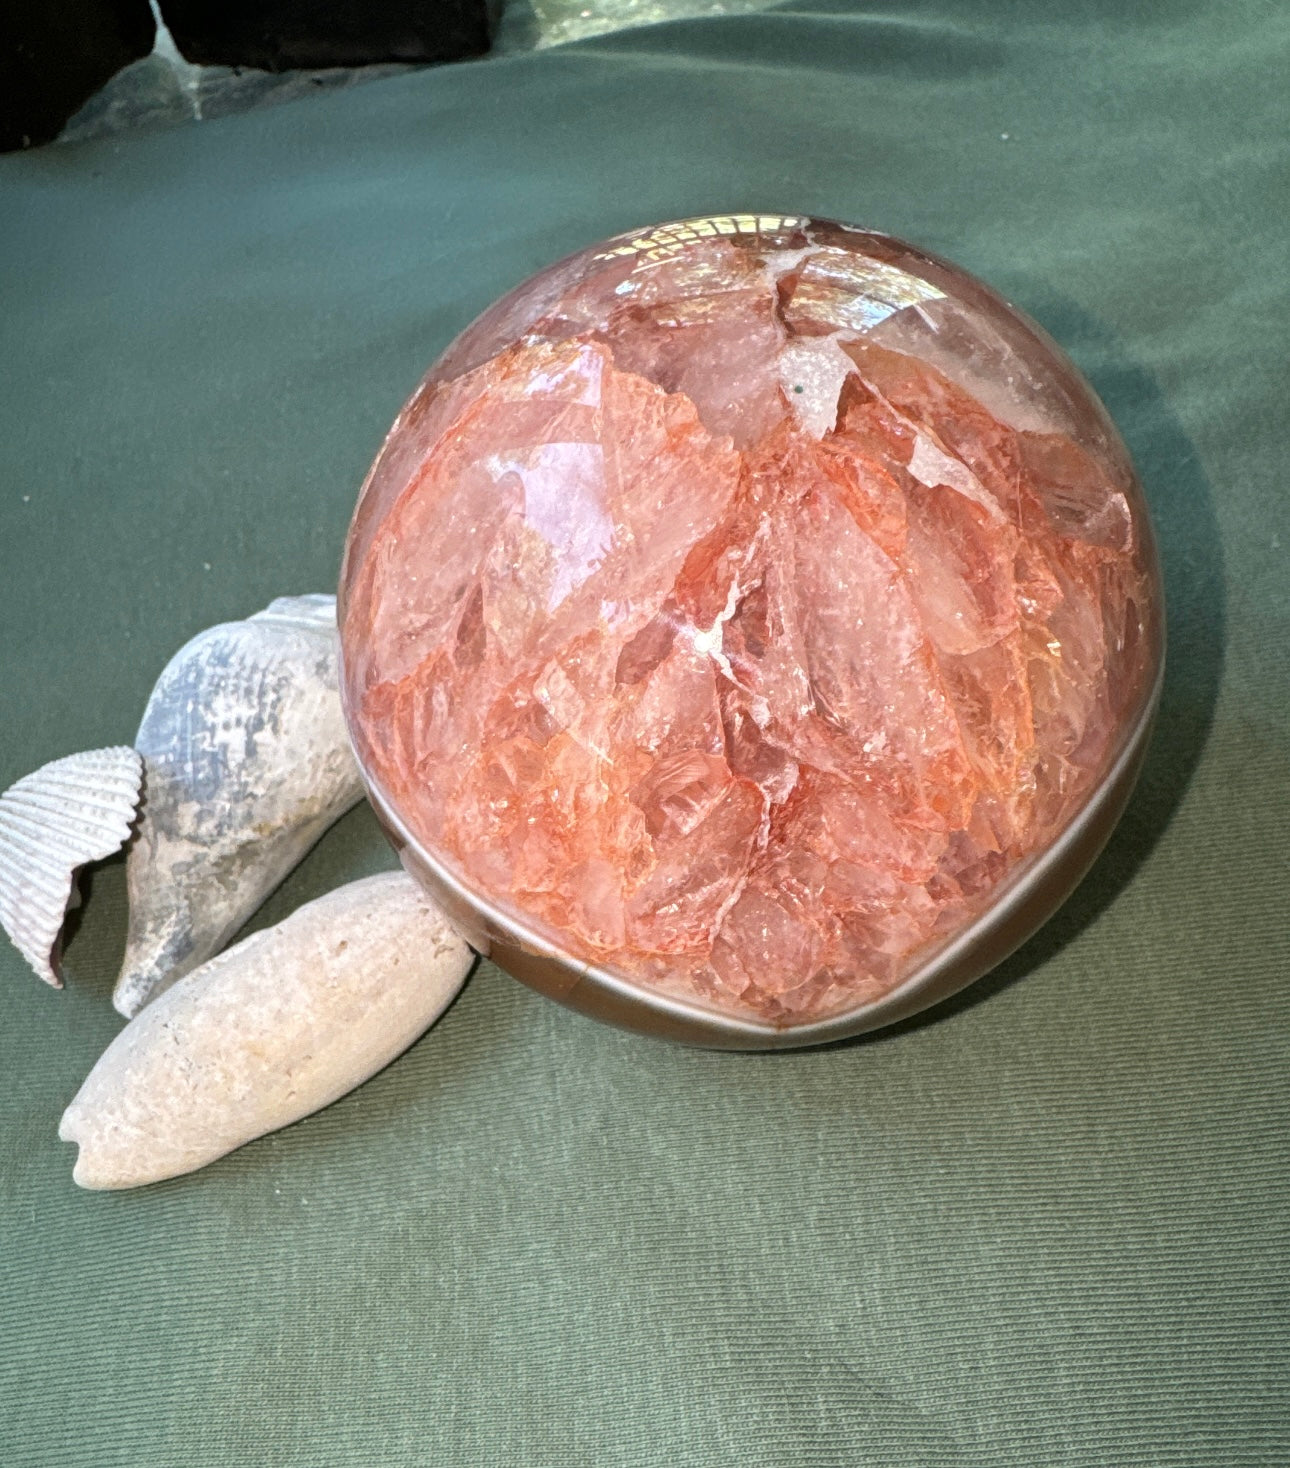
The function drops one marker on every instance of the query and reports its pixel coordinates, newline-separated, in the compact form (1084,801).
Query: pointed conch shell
(247,763)
(52,822)
(283,1023)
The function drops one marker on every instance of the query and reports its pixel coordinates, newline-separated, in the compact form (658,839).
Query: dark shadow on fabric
(1182,510)
(91,963)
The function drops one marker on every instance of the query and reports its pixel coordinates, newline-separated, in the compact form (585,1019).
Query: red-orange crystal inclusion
(737,605)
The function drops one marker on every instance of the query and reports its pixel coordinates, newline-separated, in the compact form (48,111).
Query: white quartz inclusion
(811,372)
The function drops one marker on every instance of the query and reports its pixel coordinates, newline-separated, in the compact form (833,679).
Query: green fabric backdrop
(1045,1225)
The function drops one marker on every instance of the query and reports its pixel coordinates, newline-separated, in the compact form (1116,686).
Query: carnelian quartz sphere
(751,628)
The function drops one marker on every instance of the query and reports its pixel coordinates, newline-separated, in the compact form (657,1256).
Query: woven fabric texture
(1045,1224)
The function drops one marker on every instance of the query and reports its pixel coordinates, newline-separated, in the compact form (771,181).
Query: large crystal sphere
(751,627)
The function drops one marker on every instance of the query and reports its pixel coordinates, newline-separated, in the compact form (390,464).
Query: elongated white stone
(283,1023)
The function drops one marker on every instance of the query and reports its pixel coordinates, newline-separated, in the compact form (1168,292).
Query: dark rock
(275,35)
(55,54)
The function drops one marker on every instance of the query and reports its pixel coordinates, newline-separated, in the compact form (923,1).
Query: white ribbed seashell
(247,763)
(69,812)
(281,1024)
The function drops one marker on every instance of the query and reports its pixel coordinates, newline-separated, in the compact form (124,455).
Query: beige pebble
(280,1025)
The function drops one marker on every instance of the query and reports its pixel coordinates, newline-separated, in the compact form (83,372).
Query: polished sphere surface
(743,607)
